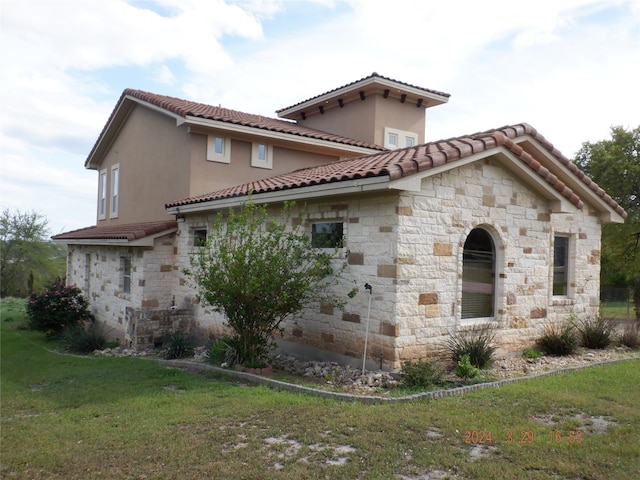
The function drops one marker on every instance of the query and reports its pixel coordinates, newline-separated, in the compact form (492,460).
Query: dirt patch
(282,450)
(586,423)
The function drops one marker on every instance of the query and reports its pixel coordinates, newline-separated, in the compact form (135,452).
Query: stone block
(389,329)
(538,313)
(404,211)
(442,249)
(350,317)
(355,258)
(428,298)
(388,271)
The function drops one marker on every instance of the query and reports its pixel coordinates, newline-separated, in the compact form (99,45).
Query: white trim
(607,214)
(103,187)
(313,191)
(212,155)
(261,149)
(114,197)
(401,138)
(286,137)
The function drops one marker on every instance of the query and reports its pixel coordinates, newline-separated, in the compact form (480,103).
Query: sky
(570,68)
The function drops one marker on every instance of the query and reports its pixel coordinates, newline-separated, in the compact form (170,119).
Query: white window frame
(102,195)
(257,162)
(216,156)
(115,191)
(401,137)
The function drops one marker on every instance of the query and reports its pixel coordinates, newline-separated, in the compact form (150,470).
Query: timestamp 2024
(522,437)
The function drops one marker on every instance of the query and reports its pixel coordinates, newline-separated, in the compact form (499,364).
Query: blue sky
(567,67)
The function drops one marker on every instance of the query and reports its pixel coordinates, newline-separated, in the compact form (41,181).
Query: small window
(560,265)
(327,235)
(102,201)
(200,237)
(218,149)
(394,138)
(262,155)
(125,263)
(115,187)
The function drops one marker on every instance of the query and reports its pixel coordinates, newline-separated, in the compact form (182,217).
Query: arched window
(478,275)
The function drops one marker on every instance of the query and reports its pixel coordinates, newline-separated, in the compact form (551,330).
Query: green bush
(531,353)
(475,342)
(421,373)
(595,332)
(631,336)
(558,340)
(59,307)
(224,351)
(465,369)
(81,339)
(179,346)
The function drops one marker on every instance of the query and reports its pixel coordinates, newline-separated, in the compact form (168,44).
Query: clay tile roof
(408,161)
(129,232)
(373,75)
(185,108)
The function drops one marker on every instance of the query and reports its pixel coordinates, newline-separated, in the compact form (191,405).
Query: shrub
(224,351)
(179,346)
(421,373)
(531,353)
(558,340)
(475,342)
(631,336)
(465,369)
(81,339)
(595,332)
(59,307)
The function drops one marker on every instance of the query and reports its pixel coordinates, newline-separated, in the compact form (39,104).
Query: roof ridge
(373,75)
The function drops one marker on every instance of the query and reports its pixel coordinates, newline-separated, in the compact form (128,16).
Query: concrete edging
(374,399)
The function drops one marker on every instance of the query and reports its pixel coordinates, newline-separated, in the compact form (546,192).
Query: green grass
(617,310)
(68,417)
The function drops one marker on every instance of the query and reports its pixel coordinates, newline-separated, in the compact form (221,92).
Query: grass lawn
(67,417)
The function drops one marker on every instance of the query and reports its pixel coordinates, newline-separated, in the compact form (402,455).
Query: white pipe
(366,335)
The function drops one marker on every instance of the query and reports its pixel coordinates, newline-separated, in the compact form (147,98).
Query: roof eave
(606,213)
(433,98)
(285,137)
(147,241)
(344,187)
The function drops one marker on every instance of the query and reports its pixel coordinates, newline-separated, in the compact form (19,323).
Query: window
(327,235)
(125,266)
(218,149)
(115,186)
(102,195)
(478,275)
(262,155)
(394,138)
(560,265)
(200,237)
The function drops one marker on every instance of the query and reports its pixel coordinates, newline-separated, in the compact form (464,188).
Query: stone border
(374,399)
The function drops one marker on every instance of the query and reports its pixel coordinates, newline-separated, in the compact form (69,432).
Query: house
(497,226)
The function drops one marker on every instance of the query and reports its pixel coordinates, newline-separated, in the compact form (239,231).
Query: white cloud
(566,66)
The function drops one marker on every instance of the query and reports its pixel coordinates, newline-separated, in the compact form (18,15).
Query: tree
(615,166)
(28,261)
(259,272)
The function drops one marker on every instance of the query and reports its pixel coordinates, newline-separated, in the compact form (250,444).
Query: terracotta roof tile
(186,108)
(374,74)
(129,232)
(404,162)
